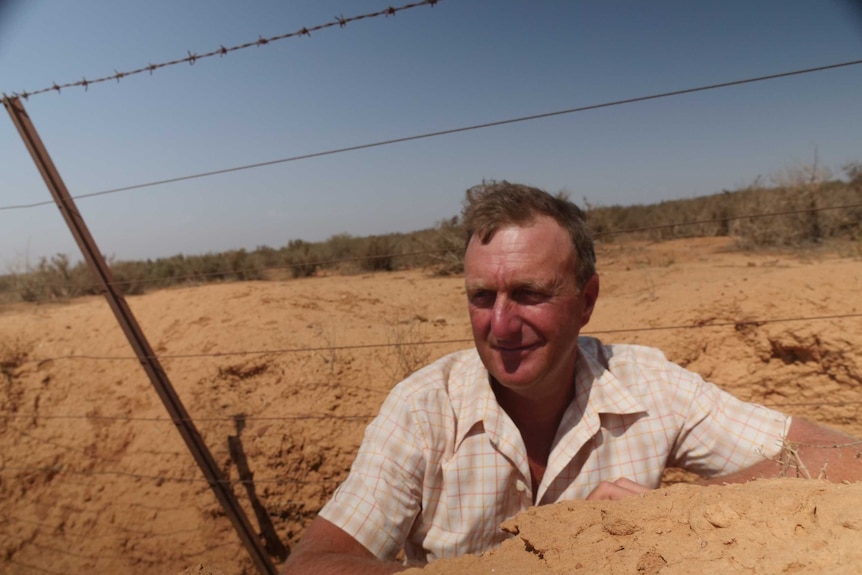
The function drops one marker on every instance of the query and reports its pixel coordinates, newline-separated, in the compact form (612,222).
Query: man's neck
(530,410)
(538,420)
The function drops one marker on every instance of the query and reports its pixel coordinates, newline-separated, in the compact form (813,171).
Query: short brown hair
(491,206)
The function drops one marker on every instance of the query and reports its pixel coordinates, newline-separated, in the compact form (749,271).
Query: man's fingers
(619,489)
(631,485)
(608,490)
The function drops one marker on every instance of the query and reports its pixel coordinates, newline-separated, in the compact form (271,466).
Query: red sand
(93,479)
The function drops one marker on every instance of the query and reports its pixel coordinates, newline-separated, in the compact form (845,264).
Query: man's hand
(619,489)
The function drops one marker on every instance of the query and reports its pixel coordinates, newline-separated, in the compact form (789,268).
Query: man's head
(489,207)
(529,292)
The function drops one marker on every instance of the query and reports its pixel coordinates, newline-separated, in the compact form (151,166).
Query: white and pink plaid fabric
(442,465)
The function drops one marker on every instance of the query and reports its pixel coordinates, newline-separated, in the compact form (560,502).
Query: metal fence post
(135,335)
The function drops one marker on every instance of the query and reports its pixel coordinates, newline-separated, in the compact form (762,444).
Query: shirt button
(521,486)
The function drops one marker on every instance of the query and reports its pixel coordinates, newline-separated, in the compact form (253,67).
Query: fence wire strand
(248,418)
(174,280)
(328,416)
(737,324)
(447,132)
(60,469)
(191,58)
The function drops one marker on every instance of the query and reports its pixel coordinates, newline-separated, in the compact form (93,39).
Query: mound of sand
(767,526)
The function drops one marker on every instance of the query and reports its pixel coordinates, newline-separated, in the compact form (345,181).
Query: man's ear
(590,293)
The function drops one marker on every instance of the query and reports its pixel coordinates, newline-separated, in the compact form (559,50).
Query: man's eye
(530,296)
(482,298)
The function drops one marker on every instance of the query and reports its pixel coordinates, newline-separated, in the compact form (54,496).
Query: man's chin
(510,369)
(510,363)
(512,377)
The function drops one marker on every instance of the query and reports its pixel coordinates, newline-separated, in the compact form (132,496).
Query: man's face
(525,307)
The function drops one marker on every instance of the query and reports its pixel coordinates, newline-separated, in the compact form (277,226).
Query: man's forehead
(511,283)
(516,245)
(518,269)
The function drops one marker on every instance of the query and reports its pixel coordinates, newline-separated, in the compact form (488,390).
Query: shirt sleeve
(381,497)
(720,433)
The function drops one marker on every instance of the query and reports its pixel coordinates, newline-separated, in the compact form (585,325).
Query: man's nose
(506,319)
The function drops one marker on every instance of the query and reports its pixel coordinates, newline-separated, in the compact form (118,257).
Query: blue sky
(460,63)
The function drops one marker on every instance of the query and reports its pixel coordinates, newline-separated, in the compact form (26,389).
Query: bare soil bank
(93,477)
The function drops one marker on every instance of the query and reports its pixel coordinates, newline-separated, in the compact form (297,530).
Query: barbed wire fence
(57,526)
(450,131)
(192,58)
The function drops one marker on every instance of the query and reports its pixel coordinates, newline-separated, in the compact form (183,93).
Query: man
(535,414)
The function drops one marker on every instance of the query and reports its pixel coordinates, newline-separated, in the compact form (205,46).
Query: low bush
(808,208)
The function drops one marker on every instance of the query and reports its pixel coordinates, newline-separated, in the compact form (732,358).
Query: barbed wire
(727,219)
(134,556)
(127,506)
(245,271)
(59,469)
(737,324)
(34,568)
(274,351)
(9,519)
(445,132)
(85,450)
(319,384)
(248,418)
(810,403)
(150,560)
(322,416)
(192,58)
(96,557)
(50,532)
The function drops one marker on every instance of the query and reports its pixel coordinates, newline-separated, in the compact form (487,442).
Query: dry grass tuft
(407,351)
(13,354)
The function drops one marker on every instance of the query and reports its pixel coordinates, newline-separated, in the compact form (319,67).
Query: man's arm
(326,549)
(811,451)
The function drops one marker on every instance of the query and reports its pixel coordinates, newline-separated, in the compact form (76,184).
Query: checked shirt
(442,465)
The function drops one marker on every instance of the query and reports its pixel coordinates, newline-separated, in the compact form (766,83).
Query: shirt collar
(473,400)
(607,394)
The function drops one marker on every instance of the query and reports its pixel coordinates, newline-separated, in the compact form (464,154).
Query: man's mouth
(505,348)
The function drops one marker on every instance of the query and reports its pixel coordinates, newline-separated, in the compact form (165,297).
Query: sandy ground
(95,478)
